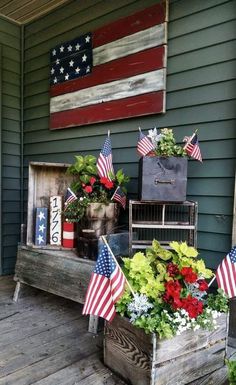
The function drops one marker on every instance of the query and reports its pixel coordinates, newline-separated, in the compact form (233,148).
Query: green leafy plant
(164,143)
(170,291)
(231,364)
(89,187)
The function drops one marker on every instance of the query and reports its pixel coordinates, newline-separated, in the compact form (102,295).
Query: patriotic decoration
(105,288)
(226,274)
(70,196)
(115,72)
(119,196)
(144,146)
(69,235)
(41,226)
(55,220)
(192,147)
(104,162)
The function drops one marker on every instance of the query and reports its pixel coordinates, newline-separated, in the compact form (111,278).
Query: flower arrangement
(170,291)
(89,187)
(164,143)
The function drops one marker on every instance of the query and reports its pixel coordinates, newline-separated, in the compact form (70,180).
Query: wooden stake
(209,284)
(106,243)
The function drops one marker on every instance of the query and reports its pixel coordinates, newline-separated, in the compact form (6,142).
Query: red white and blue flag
(144,146)
(70,196)
(105,288)
(104,162)
(192,147)
(226,274)
(115,72)
(119,196)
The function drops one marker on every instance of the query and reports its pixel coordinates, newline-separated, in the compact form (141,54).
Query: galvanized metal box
(163,179)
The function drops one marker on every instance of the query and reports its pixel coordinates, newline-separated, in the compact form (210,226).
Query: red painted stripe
(131,24)
(145,104)
(69,226)
(140,62)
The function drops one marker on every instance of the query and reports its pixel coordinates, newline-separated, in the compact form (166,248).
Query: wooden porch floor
(44,341)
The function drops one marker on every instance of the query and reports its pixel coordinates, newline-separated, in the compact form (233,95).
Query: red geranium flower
(106,182)
(193,306)
(203,285)
(188,274)
(88,189)
(92,180)
(173,288)
(172,269)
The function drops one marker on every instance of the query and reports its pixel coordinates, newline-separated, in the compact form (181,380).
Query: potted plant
(163,171)
(171,331)
(95,205)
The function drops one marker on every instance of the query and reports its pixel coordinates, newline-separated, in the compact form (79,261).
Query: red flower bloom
(88,189)
(106,182)
(173,288)
(203,285)
(172,269)
(193,306)
(188,274)
(92,180)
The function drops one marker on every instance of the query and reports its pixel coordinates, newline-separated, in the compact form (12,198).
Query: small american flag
(226,274)
(104,162)
(192,147)
(105,288)
(144,146)
(119,196)
(70,196)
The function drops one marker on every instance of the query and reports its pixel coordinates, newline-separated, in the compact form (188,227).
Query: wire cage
(165,222)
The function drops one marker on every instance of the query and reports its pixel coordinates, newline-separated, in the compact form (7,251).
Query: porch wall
(10,45)
(200,94)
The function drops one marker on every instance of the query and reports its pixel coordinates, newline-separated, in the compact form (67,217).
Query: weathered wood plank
(219,377)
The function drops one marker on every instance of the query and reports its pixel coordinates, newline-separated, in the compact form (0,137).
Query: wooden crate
(142,359)
(45,180)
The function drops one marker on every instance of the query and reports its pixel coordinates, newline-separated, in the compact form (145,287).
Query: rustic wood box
(163,179)
(142,359)
(45,180)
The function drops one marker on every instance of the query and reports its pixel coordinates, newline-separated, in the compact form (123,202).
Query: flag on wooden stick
(119,196)
(226,274)
(105,288)
(192,147)
(144,146)
(104,162)
(70,196)
(115,72)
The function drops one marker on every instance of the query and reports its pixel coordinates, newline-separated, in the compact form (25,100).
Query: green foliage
(218,301)
(167,145)
(231,364)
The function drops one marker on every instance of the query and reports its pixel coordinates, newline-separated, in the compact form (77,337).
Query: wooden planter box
(142,359)
(163,179)
(45,180)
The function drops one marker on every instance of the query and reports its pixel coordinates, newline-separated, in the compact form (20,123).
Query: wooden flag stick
(209,284)
(108,133)
(114,258)
(190,138)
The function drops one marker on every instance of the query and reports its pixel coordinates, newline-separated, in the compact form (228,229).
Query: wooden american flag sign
(115,72)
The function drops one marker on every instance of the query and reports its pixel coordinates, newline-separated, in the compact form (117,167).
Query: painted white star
(61,70)
(41,215)
(55,80)
(54,52)
(84,58)
(69,48)
(77,47)
(42,228)
(77,70)
(88,69)
(52,71)
(62,48)
(71,63)
(40,239)
(58,61)
(67,77)
(87,39)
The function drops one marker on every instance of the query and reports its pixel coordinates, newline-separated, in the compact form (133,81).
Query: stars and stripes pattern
(127,77)
(119,196)
(192,147)
(144,146)
(104,162)
(106,286)
(70,196)
(226,274)
(41,222)
(71,60)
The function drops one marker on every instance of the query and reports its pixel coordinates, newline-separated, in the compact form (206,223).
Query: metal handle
(162,181)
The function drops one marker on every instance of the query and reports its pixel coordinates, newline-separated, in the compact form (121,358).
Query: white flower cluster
(154,136)
(139,306)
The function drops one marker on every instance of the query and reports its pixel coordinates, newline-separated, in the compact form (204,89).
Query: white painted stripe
(139,41)
(68,235)
(134,85)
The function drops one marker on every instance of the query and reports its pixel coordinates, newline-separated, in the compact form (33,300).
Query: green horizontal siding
(200,94)
(10,142)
